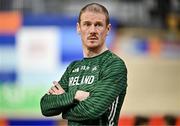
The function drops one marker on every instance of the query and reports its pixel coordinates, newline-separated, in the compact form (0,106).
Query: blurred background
(38,40)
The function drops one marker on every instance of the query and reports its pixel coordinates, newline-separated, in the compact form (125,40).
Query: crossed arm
(50,103)
(58,90)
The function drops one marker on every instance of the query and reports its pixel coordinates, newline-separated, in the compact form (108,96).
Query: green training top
(105,77)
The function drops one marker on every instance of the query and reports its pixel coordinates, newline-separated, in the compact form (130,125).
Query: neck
(93,52)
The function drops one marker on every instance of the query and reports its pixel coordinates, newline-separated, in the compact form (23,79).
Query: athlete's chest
(84,74)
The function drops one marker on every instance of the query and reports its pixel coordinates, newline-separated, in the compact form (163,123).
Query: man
(92,90)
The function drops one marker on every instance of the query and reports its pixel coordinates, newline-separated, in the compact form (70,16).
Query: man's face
(93,29)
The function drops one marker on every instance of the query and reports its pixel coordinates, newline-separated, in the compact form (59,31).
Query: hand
(56,89)
(81,95)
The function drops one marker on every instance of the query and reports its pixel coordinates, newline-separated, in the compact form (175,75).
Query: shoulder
(112,59)
(112,63)
(73,63)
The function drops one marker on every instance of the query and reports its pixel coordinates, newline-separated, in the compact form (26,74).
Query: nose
(93,29)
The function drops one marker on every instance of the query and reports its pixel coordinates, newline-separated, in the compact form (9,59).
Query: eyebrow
(86,21)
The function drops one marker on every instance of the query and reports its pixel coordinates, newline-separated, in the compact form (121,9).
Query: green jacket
(105,77)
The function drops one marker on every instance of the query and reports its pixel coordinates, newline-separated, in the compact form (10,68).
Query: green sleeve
(54,104)
(112,84)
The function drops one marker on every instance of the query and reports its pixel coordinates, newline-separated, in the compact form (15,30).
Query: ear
(78,28)
(108,28)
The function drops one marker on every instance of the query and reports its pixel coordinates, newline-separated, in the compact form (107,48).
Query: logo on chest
(78,81)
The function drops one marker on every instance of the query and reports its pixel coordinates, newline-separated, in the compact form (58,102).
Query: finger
(54,89)
(50,91)
(56,85)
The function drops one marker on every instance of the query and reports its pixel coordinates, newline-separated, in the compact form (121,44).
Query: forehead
(93,16)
